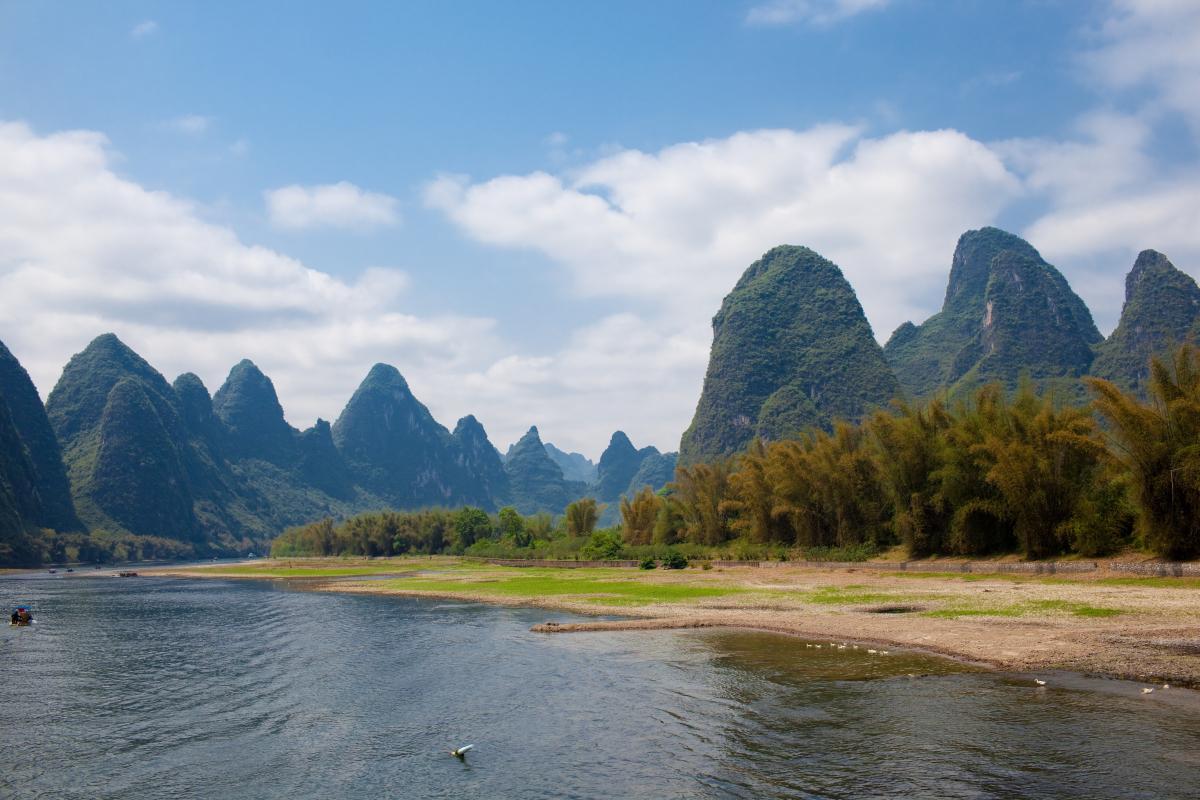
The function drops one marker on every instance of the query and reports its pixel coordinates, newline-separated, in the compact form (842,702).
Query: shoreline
(1146,631)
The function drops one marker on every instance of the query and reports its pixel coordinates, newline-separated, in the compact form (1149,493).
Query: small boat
(21,616)
(126,574)
(70,570)
(52,571)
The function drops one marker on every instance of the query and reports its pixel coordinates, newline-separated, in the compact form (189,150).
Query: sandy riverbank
(1102,623)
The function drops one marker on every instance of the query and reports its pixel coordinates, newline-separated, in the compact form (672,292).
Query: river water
(168,688)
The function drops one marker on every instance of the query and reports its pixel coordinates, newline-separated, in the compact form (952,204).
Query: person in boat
(21,616)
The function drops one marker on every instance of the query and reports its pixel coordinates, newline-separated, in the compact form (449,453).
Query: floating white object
(1039,681)
(462,751)
(872,651)
(883,652)
(1166,686)
(1147,690)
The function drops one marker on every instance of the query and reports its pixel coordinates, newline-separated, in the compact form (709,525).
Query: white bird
(462,751)
(1039,681)
(1147,690)
(1166,686)
(883,652)
(872,651)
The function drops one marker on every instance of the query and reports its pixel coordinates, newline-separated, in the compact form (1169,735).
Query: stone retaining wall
(1161,569)
(1143,568)
(530,562)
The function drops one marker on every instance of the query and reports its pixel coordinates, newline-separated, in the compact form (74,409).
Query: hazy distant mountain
(535,482)
(1007,314)
(791,349)
(575,466)
(1161,311)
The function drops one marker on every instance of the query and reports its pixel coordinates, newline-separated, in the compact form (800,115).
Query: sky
(534,209)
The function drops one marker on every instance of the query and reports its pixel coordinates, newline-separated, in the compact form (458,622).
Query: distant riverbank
(1101,622)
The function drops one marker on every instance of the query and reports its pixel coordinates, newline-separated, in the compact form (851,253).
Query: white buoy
(462,751)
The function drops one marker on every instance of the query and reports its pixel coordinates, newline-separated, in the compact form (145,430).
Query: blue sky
(534,209)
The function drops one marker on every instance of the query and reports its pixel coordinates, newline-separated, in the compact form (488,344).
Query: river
(171,688)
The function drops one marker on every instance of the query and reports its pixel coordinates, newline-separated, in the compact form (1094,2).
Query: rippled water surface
(161,688)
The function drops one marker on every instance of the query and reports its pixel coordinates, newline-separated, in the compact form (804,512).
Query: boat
(21,616)
(126,574)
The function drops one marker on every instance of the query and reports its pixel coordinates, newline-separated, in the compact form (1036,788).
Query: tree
(1158,443)
(512,527)
(471,525)
(638,516)
(700,492)
(602,546)
(582,516)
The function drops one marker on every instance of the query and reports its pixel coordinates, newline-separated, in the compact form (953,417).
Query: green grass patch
(849,595)
(1024,610)
(588,588)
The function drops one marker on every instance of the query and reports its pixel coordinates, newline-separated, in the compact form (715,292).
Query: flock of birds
(844,645)
(1145,689)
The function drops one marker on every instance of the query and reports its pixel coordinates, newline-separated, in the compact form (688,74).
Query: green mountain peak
(1162,310)
(791,349)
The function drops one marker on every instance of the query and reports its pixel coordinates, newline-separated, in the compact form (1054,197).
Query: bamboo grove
(990,475)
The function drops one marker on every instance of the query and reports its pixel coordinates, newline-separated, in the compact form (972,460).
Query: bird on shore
(461,753)
(1039,681)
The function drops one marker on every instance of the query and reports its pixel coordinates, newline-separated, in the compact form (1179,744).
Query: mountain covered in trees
(1161,311)
(1007,314)
(791,350)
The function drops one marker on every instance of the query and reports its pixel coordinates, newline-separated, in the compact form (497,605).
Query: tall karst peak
(478,457)
(535,482)
(139,479)
(618,464)
(77,400)
(57,510)
(394,447)
(970,268)
(249,407)
(791,349)
(1007,314)
(1161,311)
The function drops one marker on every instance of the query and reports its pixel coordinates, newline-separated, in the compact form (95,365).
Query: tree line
(989,474)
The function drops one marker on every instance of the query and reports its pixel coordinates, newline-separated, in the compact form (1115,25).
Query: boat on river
(21,616)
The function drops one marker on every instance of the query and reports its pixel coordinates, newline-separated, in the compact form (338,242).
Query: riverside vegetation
(989,474)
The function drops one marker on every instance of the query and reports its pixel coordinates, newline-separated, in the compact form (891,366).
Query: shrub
(648,563)
(675,560)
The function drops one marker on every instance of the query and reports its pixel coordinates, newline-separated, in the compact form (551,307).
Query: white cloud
(337,205)
(675,229)
(1153,44)
(190,124)
(815,12)
(143,29)
(84,251)
(240,148)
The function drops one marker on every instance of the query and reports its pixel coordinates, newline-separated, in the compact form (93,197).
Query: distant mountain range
(792,348)
(118,449)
